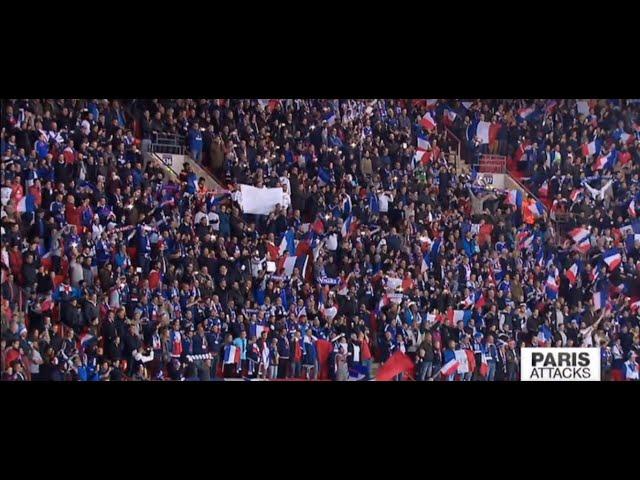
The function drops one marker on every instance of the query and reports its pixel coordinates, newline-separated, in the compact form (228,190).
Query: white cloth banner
(259,201)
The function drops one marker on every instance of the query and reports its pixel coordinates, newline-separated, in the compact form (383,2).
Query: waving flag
(537,209)
(398,363)
(428,122)
(514,197)
(579,234)
(600,299)
(288,243)
(632,208)
(421,157)
(454,316)
(583,246)
(572,273)
(450,367)
(231,355)
(591,148)
(551,287)
(449,116)
(256,330)
(349,226)
(612,258)
(425,262)
(606,161)
(576,194)
(525,113)
(525,240)
(423,143)
(431,102)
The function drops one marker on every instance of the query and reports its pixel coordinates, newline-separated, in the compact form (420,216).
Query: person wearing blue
(195,142)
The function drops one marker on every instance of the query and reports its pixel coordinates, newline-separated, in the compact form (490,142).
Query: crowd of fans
(113,269)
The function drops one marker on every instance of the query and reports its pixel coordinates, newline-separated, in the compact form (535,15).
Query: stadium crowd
(114,270)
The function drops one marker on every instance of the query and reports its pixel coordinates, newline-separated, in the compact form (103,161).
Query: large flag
(398,363)
(288,244)
(289,264)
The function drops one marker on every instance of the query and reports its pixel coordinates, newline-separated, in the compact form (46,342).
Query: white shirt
(199,216)
(5,195)
(36,360)
(286,200)
(383,202)
(214,221)
(332,242)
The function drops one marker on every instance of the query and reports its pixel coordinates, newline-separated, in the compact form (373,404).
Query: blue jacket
(309,353)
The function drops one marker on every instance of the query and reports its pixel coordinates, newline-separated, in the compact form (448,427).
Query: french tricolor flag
(425,262)
(431,102)
(288,243)
(600,299)
(454,316)
(349,226)
(572,273)
(612,258)
(449,117)
(627,138)
(231,355)
(428,122)
(575,195)
(450,368)
(579,234)
(256,330)
(487,132)
(422,156)
(525,113)
(589,149)
(536,209)
(635,305)
(423,143)
(514,197)
(583,246)
(552,287)
(632,209)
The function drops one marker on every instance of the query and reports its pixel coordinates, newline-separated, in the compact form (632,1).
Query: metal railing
(168,143)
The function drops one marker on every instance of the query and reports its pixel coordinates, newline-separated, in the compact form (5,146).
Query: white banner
(259,201)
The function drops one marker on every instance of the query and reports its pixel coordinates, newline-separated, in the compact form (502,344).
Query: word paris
(560,364)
